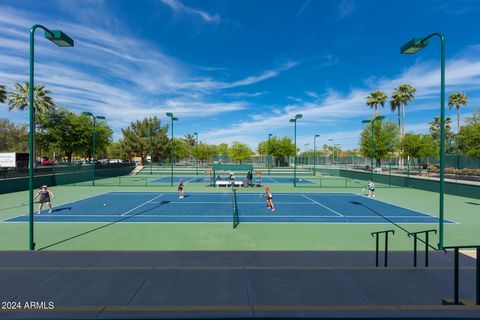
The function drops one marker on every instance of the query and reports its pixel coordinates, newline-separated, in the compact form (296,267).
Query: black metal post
(426,249)
(478,277)
(455,277)
(376,252)
(386,248)
(415,250)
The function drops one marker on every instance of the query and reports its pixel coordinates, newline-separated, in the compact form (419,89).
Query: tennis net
(236,220)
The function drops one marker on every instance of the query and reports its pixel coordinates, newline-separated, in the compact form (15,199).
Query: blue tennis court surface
(217,207)
(201,179)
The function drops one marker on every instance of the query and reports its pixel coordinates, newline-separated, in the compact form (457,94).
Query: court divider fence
(70,174)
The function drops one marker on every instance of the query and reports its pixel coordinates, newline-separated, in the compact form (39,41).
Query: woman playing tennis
(371,189)
(180,189)
(44,194)
(269,198)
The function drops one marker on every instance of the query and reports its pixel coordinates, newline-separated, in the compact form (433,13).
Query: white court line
(191,180)
(341,215)
(125,213)
(274,216)
(230,202)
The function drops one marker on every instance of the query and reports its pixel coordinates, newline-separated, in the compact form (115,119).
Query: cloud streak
(179,7)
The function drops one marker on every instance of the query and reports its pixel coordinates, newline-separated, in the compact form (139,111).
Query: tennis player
(269,198)
(180,189)
(371,189)
(44,194)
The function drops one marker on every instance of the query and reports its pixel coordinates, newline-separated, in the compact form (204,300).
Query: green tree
(190,140)
(3,94)
(468,138)
(434,128)
(376,98)
(140,134)
(19,99)
(279,148)
(385,135)
(420,146)
(222,149)
(239,152)
(62,132)
(205,151)
(180,149)
(402,96)
(115,151)
(457,100)
(13,137)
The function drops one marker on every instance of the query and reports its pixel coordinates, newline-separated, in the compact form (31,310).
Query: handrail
(415,238)
(386,232)
(456,273)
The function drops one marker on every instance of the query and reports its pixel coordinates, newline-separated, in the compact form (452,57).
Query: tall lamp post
(373,141)
(196,151)
(269,162)
(315,153)
(170,115)
(294,120)
(412,47)
(95,118)
(61,40)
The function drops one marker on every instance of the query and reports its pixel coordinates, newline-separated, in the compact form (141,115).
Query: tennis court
(217,208)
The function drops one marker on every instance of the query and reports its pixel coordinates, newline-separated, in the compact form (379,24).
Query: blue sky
(238,70)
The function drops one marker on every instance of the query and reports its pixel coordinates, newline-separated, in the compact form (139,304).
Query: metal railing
(456,274)
(415,238)
(386,232)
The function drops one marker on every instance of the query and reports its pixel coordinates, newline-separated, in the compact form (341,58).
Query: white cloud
(177,6)
(303,7)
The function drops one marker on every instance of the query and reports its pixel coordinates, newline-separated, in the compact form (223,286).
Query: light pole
(315,153)
(294,120)
(269,164)
(196,151)
(373,141)
(89,114)
(412,47)
(170,115)
(61,40)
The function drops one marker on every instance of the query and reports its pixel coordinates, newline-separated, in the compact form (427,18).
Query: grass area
(221,236)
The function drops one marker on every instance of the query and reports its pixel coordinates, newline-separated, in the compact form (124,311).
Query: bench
(227,183)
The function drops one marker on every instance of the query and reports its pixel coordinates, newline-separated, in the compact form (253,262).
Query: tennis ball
(104,204)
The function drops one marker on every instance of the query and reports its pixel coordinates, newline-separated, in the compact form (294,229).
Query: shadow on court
(122,219)
(473,203)
(392,222)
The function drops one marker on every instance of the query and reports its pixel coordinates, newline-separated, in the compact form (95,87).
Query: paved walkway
(63,284)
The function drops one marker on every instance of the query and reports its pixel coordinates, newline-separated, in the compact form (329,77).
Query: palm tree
(3,94)
(457,99)
(395,105)
(376,98)
(19,99)
(190,139)
(435,131)
(401,96)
